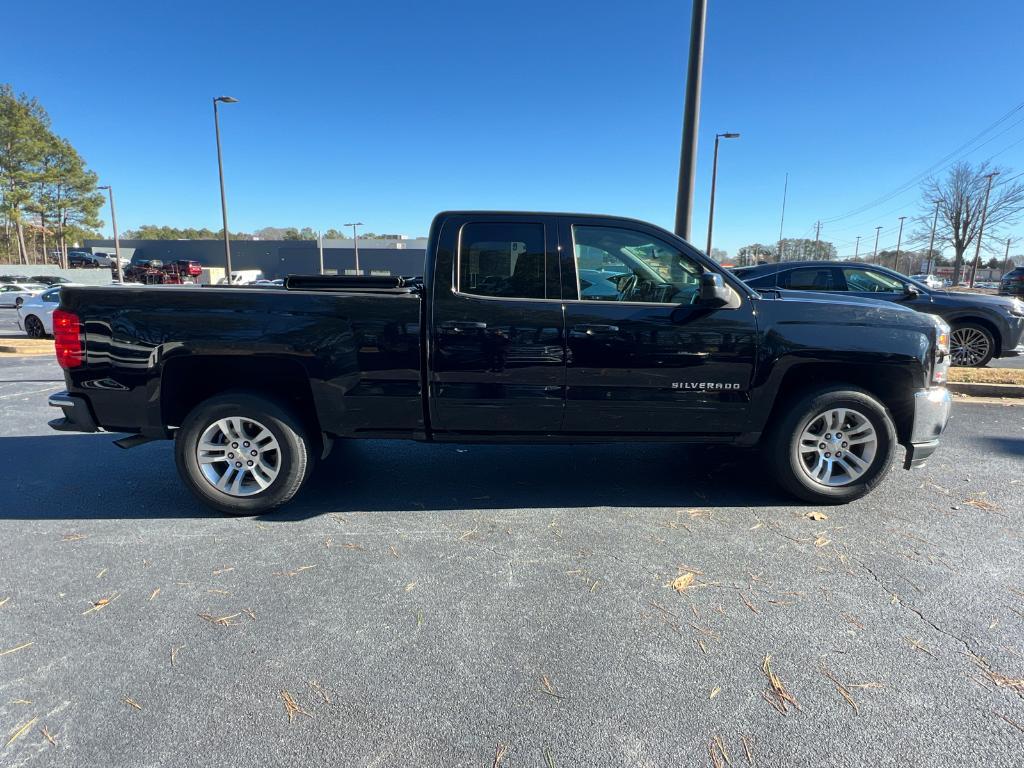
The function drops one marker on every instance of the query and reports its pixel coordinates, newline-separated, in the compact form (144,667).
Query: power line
(918,177)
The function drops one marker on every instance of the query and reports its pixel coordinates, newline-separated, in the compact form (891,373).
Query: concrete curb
(986,390)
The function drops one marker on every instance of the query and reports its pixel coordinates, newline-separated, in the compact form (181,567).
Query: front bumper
(77,415)
(931,414)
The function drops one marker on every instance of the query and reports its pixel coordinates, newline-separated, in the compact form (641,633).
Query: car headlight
(940,365)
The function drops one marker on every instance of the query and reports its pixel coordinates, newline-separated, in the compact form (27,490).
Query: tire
(796,462)
(34,327)
(281,460)
(972,345)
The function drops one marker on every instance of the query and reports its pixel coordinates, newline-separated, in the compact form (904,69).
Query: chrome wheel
(238,456)
(837,447)
(969,346)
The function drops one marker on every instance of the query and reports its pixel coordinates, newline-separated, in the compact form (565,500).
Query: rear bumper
(931,414)
(77,414)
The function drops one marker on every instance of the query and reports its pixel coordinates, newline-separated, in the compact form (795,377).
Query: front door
(644,358)
(497,358)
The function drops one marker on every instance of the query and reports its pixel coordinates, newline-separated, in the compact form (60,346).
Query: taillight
(67,337)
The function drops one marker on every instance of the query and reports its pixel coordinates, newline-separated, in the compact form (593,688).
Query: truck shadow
(86,477)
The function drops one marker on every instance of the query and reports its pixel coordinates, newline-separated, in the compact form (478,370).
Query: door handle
(594,329)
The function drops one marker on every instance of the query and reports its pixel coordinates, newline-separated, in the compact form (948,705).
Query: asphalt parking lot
(466,606)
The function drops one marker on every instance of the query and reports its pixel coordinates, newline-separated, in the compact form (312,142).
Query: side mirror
(713,290)
(910,291)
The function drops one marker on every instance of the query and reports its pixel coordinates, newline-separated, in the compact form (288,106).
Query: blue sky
(387,112)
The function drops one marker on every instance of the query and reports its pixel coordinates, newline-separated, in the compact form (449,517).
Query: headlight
(940,365)
(1017,308)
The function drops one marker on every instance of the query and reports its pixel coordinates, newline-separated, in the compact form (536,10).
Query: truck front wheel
(242,454)
(833,445)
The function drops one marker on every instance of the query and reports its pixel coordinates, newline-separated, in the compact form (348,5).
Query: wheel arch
(187,381)
(892,386)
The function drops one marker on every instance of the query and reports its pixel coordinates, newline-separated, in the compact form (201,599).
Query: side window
(52,296)
(869,281)
(507,259)
(614,264)
(809,279)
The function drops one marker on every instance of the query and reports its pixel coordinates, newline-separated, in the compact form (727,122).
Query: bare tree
(961,197)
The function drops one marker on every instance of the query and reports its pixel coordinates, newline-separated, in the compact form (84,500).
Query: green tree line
(48,197)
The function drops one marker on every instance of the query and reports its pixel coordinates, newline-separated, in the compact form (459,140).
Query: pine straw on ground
(986,375)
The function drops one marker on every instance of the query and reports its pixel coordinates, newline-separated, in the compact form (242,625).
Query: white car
(35,315)
(929,280)
(14,294)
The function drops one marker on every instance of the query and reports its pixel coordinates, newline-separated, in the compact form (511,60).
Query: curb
(986,390)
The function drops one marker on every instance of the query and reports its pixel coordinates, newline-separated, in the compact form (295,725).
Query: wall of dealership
(275,258)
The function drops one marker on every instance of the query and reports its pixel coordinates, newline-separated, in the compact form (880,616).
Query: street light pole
(931,242)
(856,250)
(691,115)
(355,242)
(899,240)
(714,179)
(874,257)
(320,237)
(220,171)
(117,241)
(1006,259)
(981,228)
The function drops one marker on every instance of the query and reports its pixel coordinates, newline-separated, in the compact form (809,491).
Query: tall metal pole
(899,240)
(1006,259)
(874,257)
(691,115)
(856,249)
(320,236)
(711,206)
(931,242)
(817,238)
(355,242)
(782,219)
(117,240)
(981,228)
(220,171)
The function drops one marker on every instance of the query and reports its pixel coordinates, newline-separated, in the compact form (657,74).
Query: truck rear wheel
(833,445)
(242,454)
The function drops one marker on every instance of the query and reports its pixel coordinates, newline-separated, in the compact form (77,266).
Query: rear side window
(869,281)
(809,279)
(508,260)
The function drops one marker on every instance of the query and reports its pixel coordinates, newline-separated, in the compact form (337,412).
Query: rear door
(497,330)
(643,358)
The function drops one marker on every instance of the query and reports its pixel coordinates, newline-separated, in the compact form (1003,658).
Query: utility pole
(320,237)
(981,229)
(782,220)
(856,250)
(1006,259)
(899,239)
(931,242)
(874,258)
(691,115)
(817,237)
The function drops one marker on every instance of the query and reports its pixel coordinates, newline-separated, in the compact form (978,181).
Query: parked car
(253,385)
(929,280)
(35,315)
(14,294)
(983,326)
(14,279)
(83,260)
(49,280)
(1012,283)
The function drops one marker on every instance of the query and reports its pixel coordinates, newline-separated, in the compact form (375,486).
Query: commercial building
(393,255)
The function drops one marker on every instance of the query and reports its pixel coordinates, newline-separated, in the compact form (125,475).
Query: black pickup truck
(525,327)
